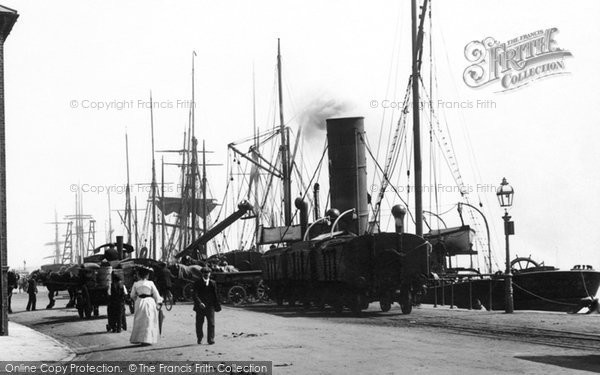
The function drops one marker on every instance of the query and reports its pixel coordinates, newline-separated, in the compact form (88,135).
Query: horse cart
(92,288)
(240,287)
(234,288)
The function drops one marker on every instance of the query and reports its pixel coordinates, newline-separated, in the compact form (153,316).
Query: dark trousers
(116,316)
(31,302)
(209,314)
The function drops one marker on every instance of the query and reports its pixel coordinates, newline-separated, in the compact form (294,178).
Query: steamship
(535,285)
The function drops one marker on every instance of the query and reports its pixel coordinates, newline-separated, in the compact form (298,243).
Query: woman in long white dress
(145,321)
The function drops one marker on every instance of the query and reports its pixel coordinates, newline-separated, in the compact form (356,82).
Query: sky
(64,59)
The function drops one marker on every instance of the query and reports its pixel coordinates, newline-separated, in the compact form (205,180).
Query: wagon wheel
(188,292)
(519,264)
(236,294)
(385,305)
(406,302)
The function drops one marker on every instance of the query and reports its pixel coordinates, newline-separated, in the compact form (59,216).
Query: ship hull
(548,290)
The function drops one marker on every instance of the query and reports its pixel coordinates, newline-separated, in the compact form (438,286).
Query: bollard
(491,282)
(470,294)
(443,294)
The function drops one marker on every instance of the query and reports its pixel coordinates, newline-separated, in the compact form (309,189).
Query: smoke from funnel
(312,119)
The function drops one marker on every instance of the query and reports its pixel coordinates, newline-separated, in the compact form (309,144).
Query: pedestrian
(146,298)
(31,291)
(206,303)
(116,304)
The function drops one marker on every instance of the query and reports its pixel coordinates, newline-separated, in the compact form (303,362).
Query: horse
(55,282)
(183,277)
(13,282)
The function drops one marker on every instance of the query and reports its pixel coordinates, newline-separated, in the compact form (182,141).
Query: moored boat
(535,286)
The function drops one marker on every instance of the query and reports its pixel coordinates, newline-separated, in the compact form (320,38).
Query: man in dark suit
(206,303)
(31,291)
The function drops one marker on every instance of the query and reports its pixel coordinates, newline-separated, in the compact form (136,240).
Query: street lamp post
(505,198)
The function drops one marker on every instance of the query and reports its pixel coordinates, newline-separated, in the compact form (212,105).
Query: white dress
(145,320)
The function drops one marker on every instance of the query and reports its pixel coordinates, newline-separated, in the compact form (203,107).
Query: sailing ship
(253,190)
(535,286)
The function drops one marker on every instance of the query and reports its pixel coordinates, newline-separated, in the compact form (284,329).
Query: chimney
(303,207)
(348,170)
(120,246)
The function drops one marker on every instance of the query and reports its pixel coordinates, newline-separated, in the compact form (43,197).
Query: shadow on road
(65,319)
(110,349)
(576,362)
(301,312)
(93,333)
(154,348)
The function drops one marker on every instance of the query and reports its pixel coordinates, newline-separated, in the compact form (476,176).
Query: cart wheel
(236,294)
(188,292)
(406,302)
(385,305)
(168,301)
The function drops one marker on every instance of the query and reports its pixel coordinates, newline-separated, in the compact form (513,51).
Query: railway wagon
(275,273)
(402,269)
(349,271)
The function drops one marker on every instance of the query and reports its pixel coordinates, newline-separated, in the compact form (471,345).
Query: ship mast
(127,194)
(255,158)
(153,252)
(56,239)
(162,209)
(204,209)
(285,149)
(194,160)
(417,50)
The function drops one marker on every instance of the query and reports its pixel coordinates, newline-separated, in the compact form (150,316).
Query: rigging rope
(385,177)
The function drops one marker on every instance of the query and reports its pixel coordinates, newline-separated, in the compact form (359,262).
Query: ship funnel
(398,212)
(348,170)
(302,206)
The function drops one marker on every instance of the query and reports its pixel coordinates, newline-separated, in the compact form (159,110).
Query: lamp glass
(505,194)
